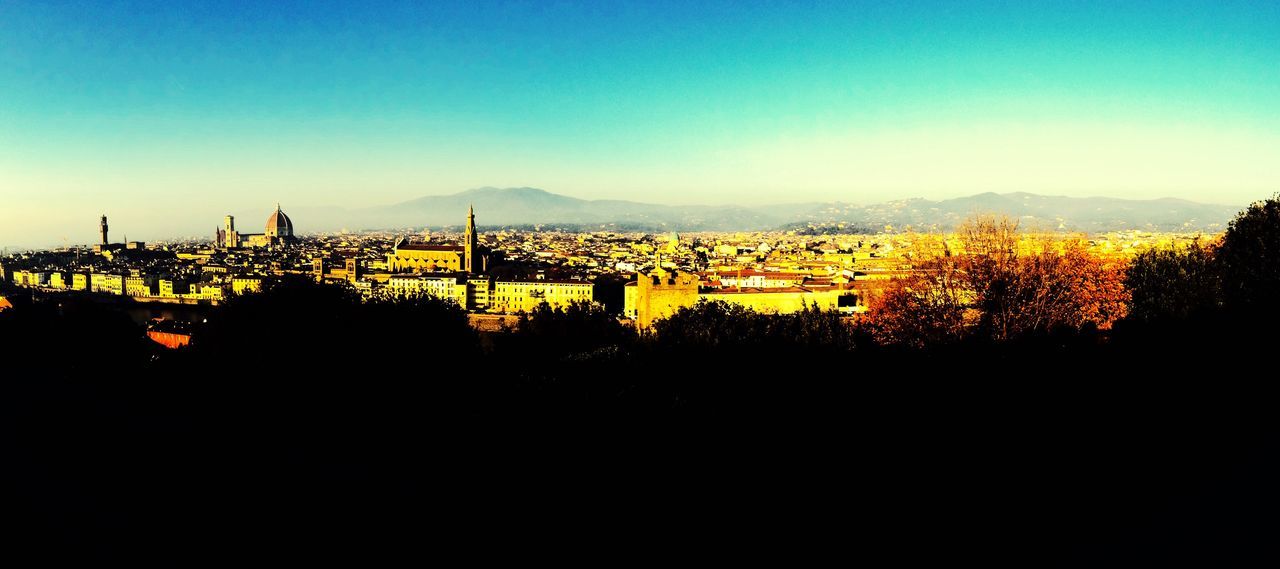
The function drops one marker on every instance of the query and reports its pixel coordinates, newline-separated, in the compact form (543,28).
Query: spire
(469,251)
(277,207)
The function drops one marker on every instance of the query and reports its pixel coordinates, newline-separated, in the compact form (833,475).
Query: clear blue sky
(168,114)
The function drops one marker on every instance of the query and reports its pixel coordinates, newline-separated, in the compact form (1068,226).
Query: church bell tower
(472,242)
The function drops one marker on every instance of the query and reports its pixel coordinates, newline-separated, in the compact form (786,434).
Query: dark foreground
(303,427)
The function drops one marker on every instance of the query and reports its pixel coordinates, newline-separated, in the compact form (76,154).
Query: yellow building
(524,296)
(242,285)
(173,289)
(208,291)
(761,279)
(785,300)
(660,294)
(106,283)
(138,286)
(31,278)
(479,293)
(447,287)
(468,257)
(418,257)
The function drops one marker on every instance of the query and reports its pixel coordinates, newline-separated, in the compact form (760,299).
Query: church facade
(469,257)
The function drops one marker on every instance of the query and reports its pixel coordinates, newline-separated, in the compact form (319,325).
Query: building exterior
(785,300)
(416,257)
(31,278)
(471,245)
(106,283)
(524,296)
(661,293)
(170,288)
(484,294)
(278,233)
(246,284)
(322,269)
(451,286)
(139,286)
(479,293)
(469,257)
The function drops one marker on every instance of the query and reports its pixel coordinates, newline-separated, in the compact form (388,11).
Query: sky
(167,115)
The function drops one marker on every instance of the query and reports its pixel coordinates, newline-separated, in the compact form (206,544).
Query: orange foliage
(1001,287)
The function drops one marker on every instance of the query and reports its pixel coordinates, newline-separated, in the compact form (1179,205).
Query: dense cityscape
(497,275)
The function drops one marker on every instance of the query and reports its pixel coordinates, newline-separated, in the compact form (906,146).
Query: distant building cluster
(643,277)
(458,273)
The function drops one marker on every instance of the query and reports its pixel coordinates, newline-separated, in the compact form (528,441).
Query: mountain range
(497,207)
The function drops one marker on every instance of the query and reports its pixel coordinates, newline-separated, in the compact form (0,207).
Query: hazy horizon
(249,217)
(167,117)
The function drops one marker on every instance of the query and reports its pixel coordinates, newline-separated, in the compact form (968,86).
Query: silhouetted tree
(575,329)
(1168,283)
(711,325)
(718,325)
(1249,258)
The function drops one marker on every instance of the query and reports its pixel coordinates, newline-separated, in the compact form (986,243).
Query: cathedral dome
(279,224)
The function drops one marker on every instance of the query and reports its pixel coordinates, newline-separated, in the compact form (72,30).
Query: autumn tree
(990,271)
(927,307)
(1000,286)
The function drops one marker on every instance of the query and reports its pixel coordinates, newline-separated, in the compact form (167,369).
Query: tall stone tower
(472,242)
(102,229)
(662,293)
(229,232)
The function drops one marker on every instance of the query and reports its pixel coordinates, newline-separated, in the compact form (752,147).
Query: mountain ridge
(534,206)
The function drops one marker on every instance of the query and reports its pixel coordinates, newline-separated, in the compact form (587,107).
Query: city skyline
(156,111)
(527,208)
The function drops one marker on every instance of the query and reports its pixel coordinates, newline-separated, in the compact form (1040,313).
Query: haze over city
(169,115)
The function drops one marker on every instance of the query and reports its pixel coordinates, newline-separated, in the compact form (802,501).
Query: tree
(1169,283)
(990,269)
(580,327)
(1249,258)
(925,308)
(1000,286)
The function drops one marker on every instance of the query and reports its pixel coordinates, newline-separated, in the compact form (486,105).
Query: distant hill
(530,206)
(522,206)
(1033,211)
